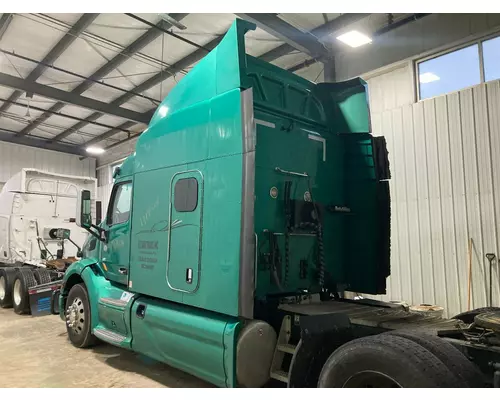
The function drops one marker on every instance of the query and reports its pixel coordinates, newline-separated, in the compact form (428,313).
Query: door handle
(141,311)
(122,271)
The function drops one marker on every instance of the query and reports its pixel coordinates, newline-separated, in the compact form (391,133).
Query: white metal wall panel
(103,194)
(391,90)
(14,157)
(445,189)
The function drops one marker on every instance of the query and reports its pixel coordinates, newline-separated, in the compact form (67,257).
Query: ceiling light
(173,21)
(354,38)
(95,150)
(428,77)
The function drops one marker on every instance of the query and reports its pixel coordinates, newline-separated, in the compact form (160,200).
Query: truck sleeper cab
(252,200)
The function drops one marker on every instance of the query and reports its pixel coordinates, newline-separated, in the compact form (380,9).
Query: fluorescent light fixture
(173,21)
(95,150)
(428,77)
(354,39)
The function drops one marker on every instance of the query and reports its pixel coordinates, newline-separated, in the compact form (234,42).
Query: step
(280,375)
(113,302)
(109,336)
(287,348)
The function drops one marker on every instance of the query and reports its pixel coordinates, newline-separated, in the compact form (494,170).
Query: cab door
(116,250)
(184,243)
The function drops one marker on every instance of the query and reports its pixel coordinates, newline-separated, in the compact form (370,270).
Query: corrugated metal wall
(14,157)
(445,189)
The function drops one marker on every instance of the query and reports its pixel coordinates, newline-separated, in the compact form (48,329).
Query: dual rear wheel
(15,283)
(399,359)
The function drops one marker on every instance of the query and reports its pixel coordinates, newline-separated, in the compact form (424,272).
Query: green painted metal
(185,266)
(196,341)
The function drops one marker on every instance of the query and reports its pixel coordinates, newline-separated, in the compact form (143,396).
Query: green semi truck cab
(252,202)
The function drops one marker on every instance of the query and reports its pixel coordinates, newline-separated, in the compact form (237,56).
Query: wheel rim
(75,316)
(2,287)
(17,292)
(371,379)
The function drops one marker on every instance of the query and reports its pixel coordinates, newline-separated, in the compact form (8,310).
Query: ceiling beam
(379,32)
(56,51)
(330,27)
(133,48)
(175,68)
(60,114)
(302,41)
(10,137)
(71,98)
(5,21)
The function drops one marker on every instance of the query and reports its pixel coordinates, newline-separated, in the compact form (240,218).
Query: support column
(329,72)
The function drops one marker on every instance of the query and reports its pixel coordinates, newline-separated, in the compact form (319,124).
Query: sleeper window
(186,195)
(120,210)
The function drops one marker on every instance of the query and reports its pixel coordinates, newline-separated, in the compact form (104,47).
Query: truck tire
(42,276)
(6,281)
(467,317)
(78,316)
(466,373)
(23,280)
(384,361)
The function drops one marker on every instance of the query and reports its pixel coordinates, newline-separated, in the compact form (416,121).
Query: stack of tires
(15,283)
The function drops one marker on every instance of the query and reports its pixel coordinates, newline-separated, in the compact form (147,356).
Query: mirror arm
(95,234)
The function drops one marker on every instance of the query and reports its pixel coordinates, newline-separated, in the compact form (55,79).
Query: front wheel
(78,317)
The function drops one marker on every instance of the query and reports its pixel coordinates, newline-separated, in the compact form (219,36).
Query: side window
(186,195)
(119,208)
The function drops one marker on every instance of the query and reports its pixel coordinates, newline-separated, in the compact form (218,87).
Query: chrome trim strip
(247,233)
(319,139)
(265,123)
(113,302)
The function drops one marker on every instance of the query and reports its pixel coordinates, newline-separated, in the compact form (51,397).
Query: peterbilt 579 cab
(253,200)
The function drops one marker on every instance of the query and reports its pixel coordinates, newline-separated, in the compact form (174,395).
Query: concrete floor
(35,352)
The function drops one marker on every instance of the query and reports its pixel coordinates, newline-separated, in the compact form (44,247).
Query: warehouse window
(491,54)
(449,72)
(458,69)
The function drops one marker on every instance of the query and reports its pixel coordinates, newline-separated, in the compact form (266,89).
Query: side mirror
(84,209)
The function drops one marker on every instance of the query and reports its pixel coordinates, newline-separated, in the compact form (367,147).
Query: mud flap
(320,335)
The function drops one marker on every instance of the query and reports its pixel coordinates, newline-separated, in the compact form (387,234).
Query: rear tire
(468,316)
(466,373)
(7,276)
(384,361)
(24,279)
(42,276)
(78,315)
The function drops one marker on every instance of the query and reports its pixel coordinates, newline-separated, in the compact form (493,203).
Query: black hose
(319,234)
(288,218)
(317,229)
